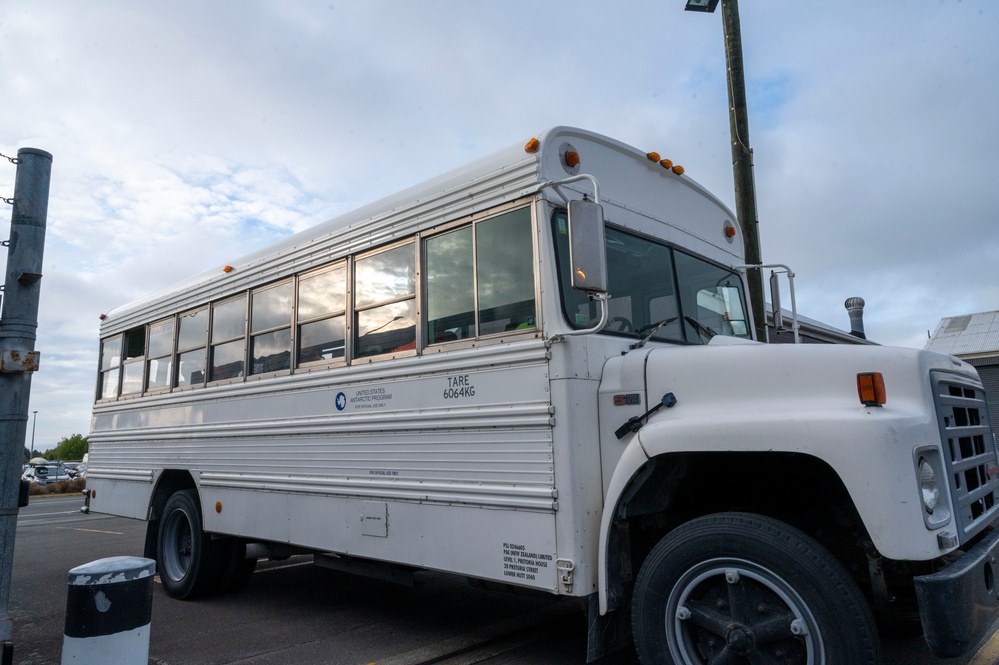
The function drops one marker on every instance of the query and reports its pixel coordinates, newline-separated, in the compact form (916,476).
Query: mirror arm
(790,281)
(604,315)
(582,176)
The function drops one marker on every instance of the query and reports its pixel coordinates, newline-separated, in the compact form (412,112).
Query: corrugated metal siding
(969,334)
(493,449)
(990,381)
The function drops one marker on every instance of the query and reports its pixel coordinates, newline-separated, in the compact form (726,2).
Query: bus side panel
(442,461)
(131,497)
(508,546)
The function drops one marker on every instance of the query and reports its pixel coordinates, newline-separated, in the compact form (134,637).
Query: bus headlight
(929,485)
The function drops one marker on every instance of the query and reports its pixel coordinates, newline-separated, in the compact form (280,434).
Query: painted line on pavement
(68,528)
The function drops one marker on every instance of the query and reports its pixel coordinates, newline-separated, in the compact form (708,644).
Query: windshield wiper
(653,328)
(701,329)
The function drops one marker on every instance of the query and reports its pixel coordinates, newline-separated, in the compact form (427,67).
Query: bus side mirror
(587,251)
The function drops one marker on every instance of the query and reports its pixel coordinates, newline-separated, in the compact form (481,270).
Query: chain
(12,160)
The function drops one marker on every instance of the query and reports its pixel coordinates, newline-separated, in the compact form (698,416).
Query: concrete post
(108,611)
(18,359)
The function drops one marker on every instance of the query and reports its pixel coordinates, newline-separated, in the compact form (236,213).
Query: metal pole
(34,421)
(742,162)
(18,359)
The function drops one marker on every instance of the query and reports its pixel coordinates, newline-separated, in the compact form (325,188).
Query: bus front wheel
(188,558)
(743,588)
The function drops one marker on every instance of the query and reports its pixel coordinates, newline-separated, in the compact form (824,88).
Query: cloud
(186,134)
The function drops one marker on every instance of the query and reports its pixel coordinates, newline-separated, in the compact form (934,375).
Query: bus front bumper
(960,604)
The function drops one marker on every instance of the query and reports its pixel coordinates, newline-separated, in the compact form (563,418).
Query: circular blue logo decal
(341,401)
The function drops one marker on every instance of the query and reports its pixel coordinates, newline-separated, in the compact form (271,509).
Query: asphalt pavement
(295,612)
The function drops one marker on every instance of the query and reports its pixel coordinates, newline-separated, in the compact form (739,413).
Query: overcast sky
(186,134)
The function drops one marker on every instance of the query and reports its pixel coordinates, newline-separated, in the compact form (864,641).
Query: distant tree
(71,448)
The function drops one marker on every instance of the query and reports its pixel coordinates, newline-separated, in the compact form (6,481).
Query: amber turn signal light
(871,389)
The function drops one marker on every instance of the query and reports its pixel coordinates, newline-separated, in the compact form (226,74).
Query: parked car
(45,473)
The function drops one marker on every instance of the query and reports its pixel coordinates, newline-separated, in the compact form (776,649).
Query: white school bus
(538,371)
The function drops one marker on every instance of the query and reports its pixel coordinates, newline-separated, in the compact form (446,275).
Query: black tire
(740,588)
(188,560)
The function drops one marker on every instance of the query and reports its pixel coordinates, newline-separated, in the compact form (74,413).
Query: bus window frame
(322,363)
(353,359)
(114,368)
(248,373)
(472,220)
(178,351)
(689,336)
(349,314)
(244,294)
(132,361)
(171,355)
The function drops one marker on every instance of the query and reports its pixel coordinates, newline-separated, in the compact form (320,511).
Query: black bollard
(108,611)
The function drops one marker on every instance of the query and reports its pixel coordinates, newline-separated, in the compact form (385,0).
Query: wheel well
(170,481)
(669,490)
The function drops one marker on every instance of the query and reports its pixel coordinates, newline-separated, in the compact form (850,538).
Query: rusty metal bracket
(15,361)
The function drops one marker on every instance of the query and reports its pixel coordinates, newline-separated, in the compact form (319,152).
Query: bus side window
(385,301)
(505,273)
(321,315)
(228,348)
(133,362)
(192,338)
(270,328)
(159,361)
(450,287)
(110,367)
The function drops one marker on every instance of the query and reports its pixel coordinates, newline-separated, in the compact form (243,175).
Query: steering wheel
(624,324)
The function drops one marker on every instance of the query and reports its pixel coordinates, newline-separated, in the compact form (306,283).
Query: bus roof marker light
(653,156)
(227,269)
(666,163)
(871,389)
(678,169)
(532,145)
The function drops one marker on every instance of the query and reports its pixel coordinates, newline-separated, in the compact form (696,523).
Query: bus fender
(631,461)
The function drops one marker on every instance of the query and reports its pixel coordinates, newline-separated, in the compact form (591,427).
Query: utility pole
(18,358)
(742,154)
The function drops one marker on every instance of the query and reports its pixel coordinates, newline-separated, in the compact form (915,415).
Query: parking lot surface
(294,612)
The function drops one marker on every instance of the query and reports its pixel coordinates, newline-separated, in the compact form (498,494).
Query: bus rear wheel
(742,588)
(189,560)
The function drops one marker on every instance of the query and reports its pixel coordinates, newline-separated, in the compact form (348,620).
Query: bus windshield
(655,290)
